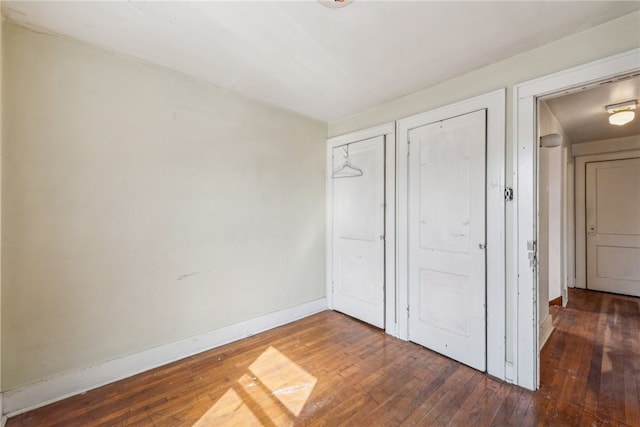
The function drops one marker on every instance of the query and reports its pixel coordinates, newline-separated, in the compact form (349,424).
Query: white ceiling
(323,63)
(583,115)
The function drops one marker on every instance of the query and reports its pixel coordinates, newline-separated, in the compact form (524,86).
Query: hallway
(590,367)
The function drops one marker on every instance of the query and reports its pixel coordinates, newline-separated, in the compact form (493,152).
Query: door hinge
(532,253)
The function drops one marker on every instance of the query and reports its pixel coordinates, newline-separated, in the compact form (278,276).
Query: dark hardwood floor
(329,370)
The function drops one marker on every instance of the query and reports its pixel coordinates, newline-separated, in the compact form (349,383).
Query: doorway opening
(537,199)
(588,204)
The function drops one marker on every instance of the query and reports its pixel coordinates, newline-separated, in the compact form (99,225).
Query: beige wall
(544,155)
(599,42)
(552,219)
(142,207)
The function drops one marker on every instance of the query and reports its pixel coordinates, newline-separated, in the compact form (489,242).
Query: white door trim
(494,103)
(388,132)
(581,227)
(527,360)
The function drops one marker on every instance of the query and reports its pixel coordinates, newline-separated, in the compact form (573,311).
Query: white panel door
(358,232)
(613,226)
(447,286)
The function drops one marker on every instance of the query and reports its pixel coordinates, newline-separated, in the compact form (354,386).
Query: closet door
(447,265)
(358,230)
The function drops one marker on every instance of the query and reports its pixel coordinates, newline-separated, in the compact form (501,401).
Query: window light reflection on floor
(275,388)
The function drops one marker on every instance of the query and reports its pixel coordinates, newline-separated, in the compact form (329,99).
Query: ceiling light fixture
(335,4)
(621,114)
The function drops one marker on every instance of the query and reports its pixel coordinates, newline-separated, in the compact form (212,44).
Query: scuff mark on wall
(186,276)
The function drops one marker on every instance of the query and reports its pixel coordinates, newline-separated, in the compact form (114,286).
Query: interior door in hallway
(613,226)
(358,230)
(447,266)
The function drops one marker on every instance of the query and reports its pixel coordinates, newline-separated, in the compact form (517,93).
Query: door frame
(495,104)
(581,203)
(387,131)
(525,96)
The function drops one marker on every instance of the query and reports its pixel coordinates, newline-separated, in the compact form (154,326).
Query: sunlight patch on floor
(288,382)
(275,388)
(229,410)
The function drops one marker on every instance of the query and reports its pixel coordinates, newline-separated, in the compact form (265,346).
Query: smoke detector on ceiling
(621,114)
(335,4)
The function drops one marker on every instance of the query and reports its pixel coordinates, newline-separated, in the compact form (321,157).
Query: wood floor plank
(330,370)
(507,407)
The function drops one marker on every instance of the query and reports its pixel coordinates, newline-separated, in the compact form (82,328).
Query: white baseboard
(57,388)
(3,418)
(545,330)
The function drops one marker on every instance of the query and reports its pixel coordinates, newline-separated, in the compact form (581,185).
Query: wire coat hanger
(346,170)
